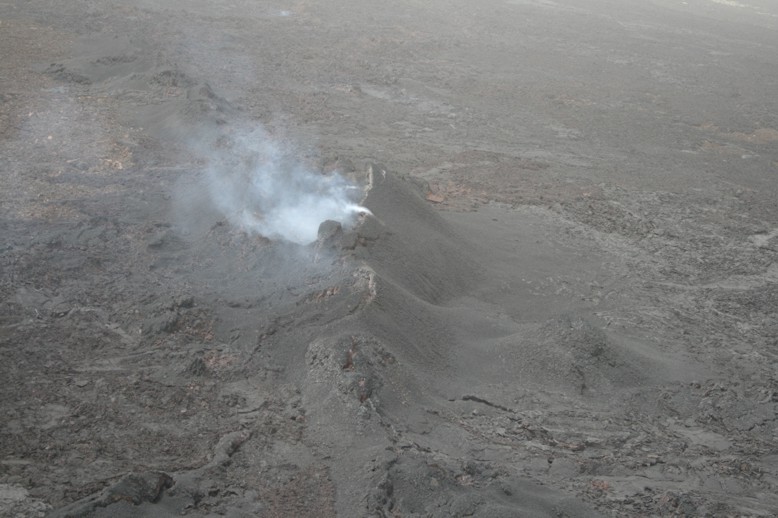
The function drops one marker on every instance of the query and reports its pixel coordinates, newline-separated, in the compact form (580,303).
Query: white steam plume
(261,188)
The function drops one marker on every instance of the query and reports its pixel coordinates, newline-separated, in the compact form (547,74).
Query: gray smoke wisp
(260,187)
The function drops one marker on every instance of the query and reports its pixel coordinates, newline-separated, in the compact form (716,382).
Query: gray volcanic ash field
(363,259)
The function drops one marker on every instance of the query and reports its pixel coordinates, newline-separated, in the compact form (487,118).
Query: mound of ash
(373,379)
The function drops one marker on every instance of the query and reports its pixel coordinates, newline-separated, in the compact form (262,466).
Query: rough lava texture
(554,293)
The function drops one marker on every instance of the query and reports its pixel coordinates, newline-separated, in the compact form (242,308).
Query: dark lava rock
(329,230)
(134,488)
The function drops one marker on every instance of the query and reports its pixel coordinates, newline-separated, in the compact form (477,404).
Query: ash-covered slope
(433,387)
(382,392)
(436,295)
